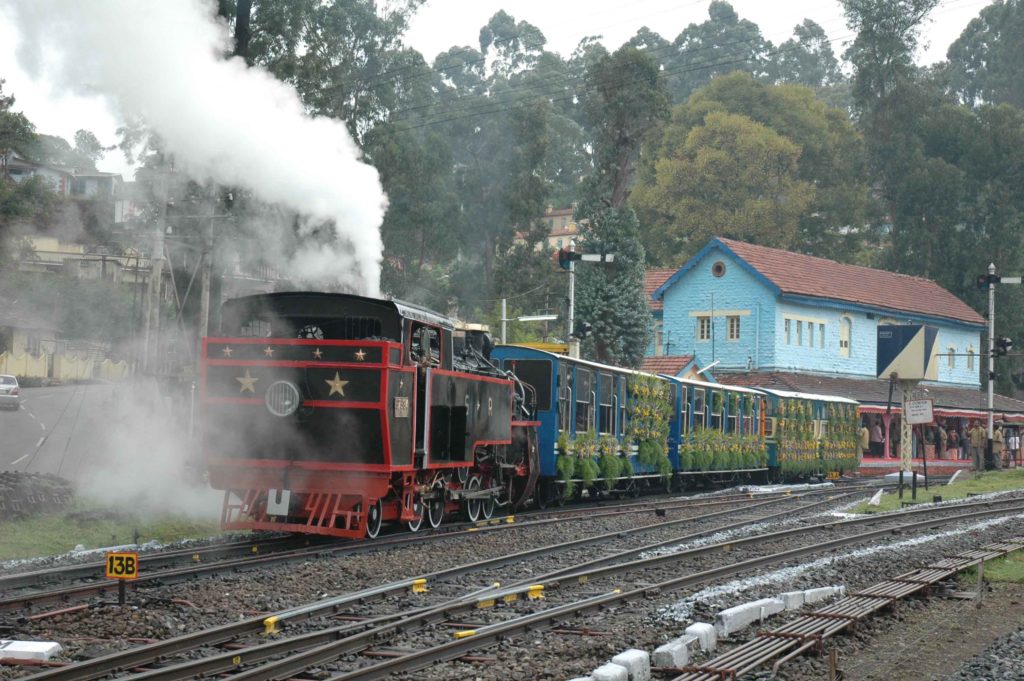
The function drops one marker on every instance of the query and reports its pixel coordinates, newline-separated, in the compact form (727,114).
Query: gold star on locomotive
(360,355)
(337,385)
(317,354)
(248,382)
(268,351)
(226,350)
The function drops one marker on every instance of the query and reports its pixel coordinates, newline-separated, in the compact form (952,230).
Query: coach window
(684,410)
(698,409)
(622,395)
(584,400)
(425,345)
(717,408)
(733,408)
(605,400)
(564,397)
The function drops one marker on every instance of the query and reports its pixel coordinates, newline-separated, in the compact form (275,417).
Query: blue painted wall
(763,345)
(736,291)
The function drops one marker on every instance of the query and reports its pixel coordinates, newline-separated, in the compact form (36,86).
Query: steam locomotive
(334,414)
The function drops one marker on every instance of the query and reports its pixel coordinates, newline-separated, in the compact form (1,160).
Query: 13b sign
(122,565)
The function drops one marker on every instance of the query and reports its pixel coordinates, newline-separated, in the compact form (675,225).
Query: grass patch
(1009,568)
(93,526)
(967,483)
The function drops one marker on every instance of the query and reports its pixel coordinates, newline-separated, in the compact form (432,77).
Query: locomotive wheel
(374,516)
(417,508)
(487,507)
(473,505)
(435,507)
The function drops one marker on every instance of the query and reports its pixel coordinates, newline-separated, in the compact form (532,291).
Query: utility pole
(574,343)
(150,360)
(989,282)
(567,258)
(204,281)
(991,357)
(504,320)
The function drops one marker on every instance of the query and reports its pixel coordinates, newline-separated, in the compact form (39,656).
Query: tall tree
(985,61)
(831,159)
(626,98)
(727,176)
(806,58)
(16,132)
(721,44)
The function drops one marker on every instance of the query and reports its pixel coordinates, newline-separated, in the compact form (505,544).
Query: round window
(718,269)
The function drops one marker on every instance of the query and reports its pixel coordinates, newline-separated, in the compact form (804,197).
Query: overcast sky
(441,24)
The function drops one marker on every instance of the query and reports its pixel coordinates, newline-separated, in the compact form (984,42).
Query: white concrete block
(28,650)
(610,672)
(705,634)
(636,662)
(734,619)
(793,600)
(823,593)
(677,652)
(894,478)
(583,678)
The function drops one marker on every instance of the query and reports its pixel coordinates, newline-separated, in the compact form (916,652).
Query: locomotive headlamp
(283,398)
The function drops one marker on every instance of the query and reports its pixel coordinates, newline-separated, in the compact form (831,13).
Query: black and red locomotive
(332,414)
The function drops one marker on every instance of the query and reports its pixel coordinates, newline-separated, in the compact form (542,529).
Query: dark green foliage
(985,61)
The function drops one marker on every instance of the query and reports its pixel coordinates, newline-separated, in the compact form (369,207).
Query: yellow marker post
(419,586)
(465,634)
(122,566)
(535,592)
(270,624)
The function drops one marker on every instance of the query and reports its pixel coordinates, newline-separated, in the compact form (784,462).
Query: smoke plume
(162,61)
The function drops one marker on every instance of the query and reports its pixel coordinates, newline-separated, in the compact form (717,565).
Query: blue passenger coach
(712,429)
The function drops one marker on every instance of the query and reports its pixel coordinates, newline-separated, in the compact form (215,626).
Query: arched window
(845,335)
(970,357)
(951,357)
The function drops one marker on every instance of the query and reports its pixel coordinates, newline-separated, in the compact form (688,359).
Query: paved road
(56,430)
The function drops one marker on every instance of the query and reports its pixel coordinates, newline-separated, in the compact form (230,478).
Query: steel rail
(417,620)
(101,666)
(492,634)
(229,661)
(810,630)
(154,558)
(67,594)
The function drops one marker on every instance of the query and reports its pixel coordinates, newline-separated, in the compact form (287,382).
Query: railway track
(255,626)
(20,592)
(322,645)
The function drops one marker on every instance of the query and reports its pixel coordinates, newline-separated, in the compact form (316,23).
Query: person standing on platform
(875,438)
(998,447)
(865,439)
(954,442)
(978,438)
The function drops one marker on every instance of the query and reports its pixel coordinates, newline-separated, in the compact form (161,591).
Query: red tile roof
(654,278)
(806,275)
(666,364)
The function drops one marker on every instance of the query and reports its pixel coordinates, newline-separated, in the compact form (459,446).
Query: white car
(10,392)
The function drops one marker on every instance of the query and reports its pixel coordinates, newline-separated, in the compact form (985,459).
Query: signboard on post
(918,412)
(907,350)
(122,566)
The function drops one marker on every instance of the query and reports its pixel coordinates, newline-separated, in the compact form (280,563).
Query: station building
(765,317)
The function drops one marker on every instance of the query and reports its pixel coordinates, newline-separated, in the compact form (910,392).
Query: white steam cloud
(162,61)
